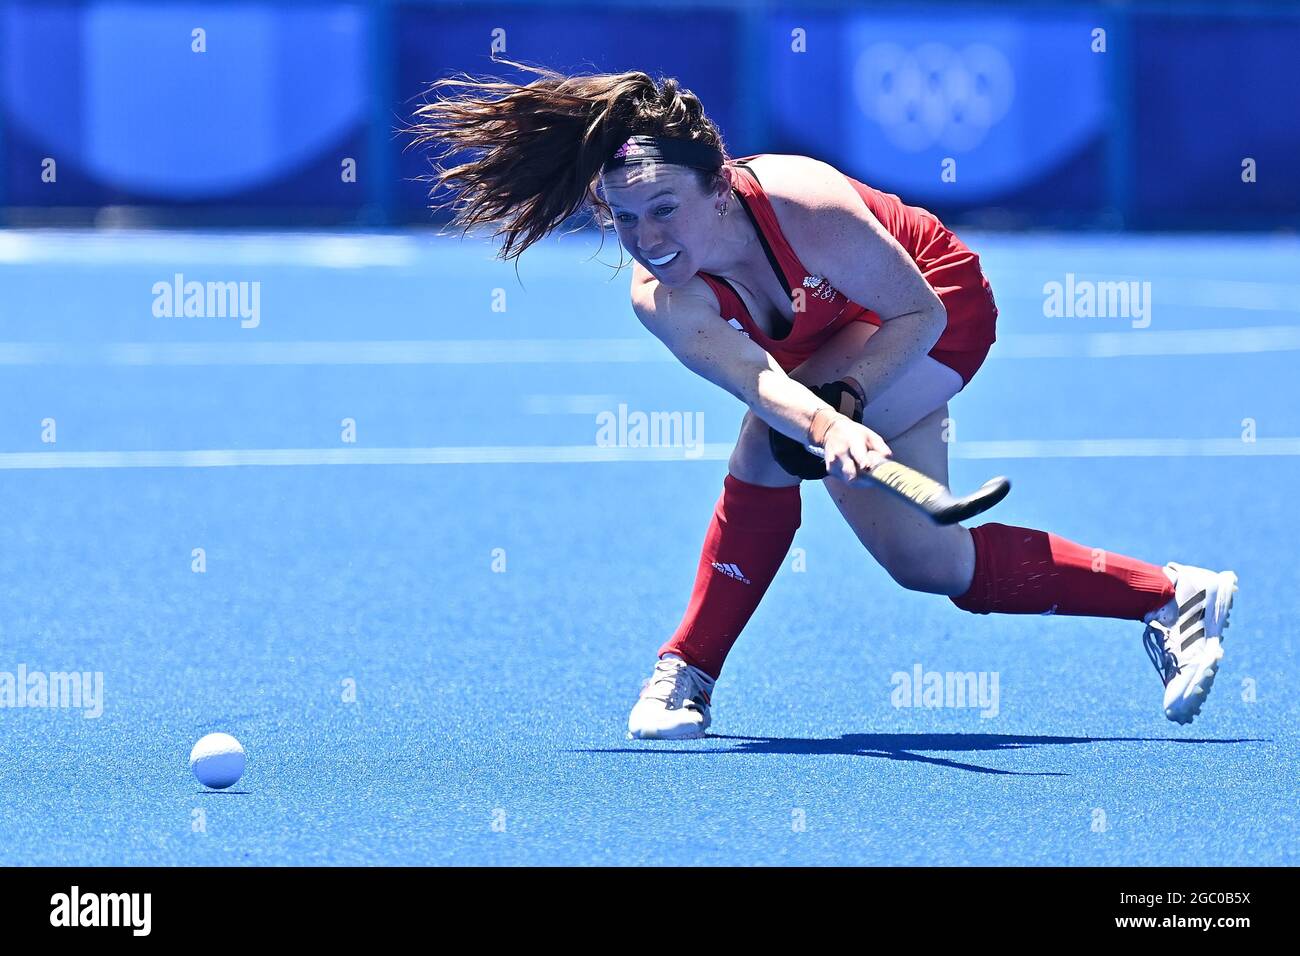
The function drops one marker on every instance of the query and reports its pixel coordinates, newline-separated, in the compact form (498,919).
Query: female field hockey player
(791,286)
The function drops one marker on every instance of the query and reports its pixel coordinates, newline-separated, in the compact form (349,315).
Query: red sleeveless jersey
(951,269)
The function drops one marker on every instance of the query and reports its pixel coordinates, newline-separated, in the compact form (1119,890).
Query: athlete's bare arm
(835,235)
(689,324)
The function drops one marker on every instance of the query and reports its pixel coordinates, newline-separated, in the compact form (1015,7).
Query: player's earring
(722,210)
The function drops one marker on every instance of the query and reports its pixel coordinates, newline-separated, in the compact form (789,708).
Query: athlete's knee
(917,577)
(930,563)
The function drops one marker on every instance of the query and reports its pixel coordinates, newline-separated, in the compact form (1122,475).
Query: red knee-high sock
(747,540)
(1022,571)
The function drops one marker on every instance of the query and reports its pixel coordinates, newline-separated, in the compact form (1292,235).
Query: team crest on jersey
(821,289)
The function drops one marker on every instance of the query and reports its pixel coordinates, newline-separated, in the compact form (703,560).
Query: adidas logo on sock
(731,571)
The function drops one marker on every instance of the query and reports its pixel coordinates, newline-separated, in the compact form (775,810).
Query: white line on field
(130,247)
(1181,292)
(590,454)
(415,352)
(1127,448)
(1266,338)
(1277,338)
(569,404)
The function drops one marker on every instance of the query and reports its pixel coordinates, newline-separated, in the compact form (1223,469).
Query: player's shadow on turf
(906,746)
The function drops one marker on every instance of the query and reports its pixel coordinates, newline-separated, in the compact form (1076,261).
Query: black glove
(845,396)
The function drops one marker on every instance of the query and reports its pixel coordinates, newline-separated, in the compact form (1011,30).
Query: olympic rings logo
(934,95)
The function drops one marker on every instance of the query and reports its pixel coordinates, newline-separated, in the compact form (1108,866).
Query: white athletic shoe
(674,703)
(1184,638)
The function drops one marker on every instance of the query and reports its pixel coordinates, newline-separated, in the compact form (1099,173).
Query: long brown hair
(538,147)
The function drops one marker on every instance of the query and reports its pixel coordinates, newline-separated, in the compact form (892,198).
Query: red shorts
(964,363)
(972,314)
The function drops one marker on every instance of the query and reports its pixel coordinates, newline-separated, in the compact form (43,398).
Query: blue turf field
(489,720)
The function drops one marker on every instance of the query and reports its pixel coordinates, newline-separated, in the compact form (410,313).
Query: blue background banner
(1013,105)
(697,47)
(117,96)
(1082,114)
(1210,94)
